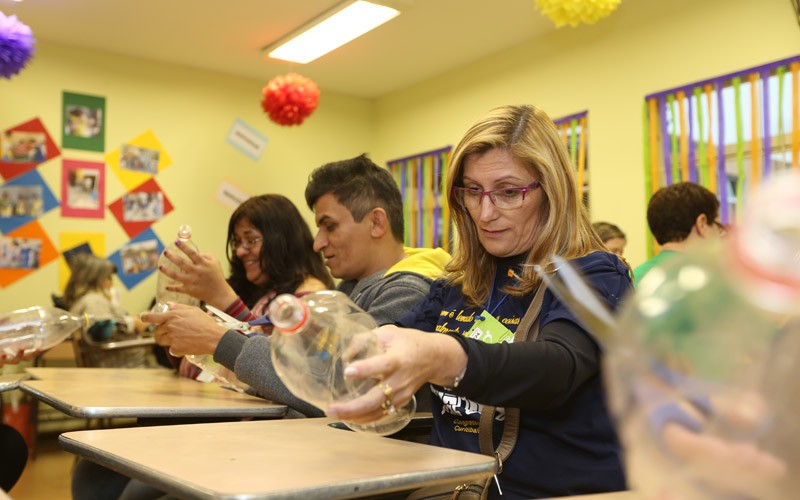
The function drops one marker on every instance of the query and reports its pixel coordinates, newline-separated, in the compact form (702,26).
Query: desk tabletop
(11,381)
(140,393)
(302,458)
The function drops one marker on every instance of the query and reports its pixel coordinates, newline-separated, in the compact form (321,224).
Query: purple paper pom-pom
(16,45)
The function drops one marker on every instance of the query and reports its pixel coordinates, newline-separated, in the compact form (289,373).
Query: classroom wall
(607,69)
(191,112)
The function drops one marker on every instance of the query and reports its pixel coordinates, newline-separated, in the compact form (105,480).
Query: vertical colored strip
(653,125)
(780,73)
(420,204)
(648,167)
(446,219)
(673,140)
(765,171)
(702,157)
(663,107)
(740,174)
(795,66)
(412,219)
(582,158)
(404,195)
(684,138)
(722,176)
(430,222)
(690,154)
(437,200)
(565,134)
(573,143)
(712,153)
(755,138)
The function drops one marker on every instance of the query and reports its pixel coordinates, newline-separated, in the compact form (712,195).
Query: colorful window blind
(421,179)
(574,131)
(727,133)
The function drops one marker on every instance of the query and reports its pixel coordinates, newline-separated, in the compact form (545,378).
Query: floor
(47,475)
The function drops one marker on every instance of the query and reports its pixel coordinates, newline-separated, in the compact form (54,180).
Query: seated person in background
(88,291)
(269,253)
(612,237)
(359,212)
(679,216)
(515,203)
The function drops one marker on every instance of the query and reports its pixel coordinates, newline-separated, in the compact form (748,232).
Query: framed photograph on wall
(84,122)
(82,189)
(20,253)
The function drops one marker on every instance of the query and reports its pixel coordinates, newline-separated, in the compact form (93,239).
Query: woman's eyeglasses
(505,198)
(247,243)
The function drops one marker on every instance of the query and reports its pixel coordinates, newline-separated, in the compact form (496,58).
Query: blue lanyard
(489,303)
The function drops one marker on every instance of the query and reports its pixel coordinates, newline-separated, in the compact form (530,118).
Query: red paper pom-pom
(289,99)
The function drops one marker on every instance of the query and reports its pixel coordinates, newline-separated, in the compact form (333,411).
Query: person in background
(515,204)
(88,291)
(269,253)
(679,216)
(359,211)
(359,214)
(13,446)
(611,236)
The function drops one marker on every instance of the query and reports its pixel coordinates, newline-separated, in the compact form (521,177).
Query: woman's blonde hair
(88,274)
(563,229)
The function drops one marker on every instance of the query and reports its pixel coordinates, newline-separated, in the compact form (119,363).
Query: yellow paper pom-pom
(574,12)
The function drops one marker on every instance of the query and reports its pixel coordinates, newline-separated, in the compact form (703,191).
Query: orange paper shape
(47,253)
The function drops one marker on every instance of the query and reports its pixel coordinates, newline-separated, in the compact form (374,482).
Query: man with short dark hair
(679,216)
(359,215)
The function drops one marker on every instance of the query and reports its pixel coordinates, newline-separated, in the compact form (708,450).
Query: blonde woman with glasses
(515,204)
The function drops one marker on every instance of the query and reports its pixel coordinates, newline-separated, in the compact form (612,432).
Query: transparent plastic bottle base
(390,424)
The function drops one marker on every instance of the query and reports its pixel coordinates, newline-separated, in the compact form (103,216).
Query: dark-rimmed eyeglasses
(247,243)
(507,198)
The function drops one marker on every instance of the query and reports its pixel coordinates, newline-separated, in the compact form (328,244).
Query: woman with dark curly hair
(270,252)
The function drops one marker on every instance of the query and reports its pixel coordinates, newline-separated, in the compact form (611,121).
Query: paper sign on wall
(231,196)
(247,139)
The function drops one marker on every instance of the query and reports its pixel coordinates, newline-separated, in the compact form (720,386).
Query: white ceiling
(428,38)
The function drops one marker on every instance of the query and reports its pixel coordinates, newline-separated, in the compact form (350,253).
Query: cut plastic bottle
(316,336)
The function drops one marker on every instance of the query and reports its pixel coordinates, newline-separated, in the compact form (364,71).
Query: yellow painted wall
(607,69)
(190,112)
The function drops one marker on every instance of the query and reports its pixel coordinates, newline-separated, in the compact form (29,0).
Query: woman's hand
(8,359)
(200,276)
(410,359)
(186,330)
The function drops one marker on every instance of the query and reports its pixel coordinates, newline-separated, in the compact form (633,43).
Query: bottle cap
(288,313)
(185,232)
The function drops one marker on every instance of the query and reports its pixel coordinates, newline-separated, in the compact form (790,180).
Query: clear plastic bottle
(709,340)
(37,329)
(212,371)
(315,337)
(163,281)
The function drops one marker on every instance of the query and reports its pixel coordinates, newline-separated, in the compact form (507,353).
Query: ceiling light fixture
(345,22)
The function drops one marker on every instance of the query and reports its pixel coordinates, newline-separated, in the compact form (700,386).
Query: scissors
(235,324)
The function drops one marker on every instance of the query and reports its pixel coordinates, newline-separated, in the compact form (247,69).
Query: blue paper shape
(49,201)
(130,280)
